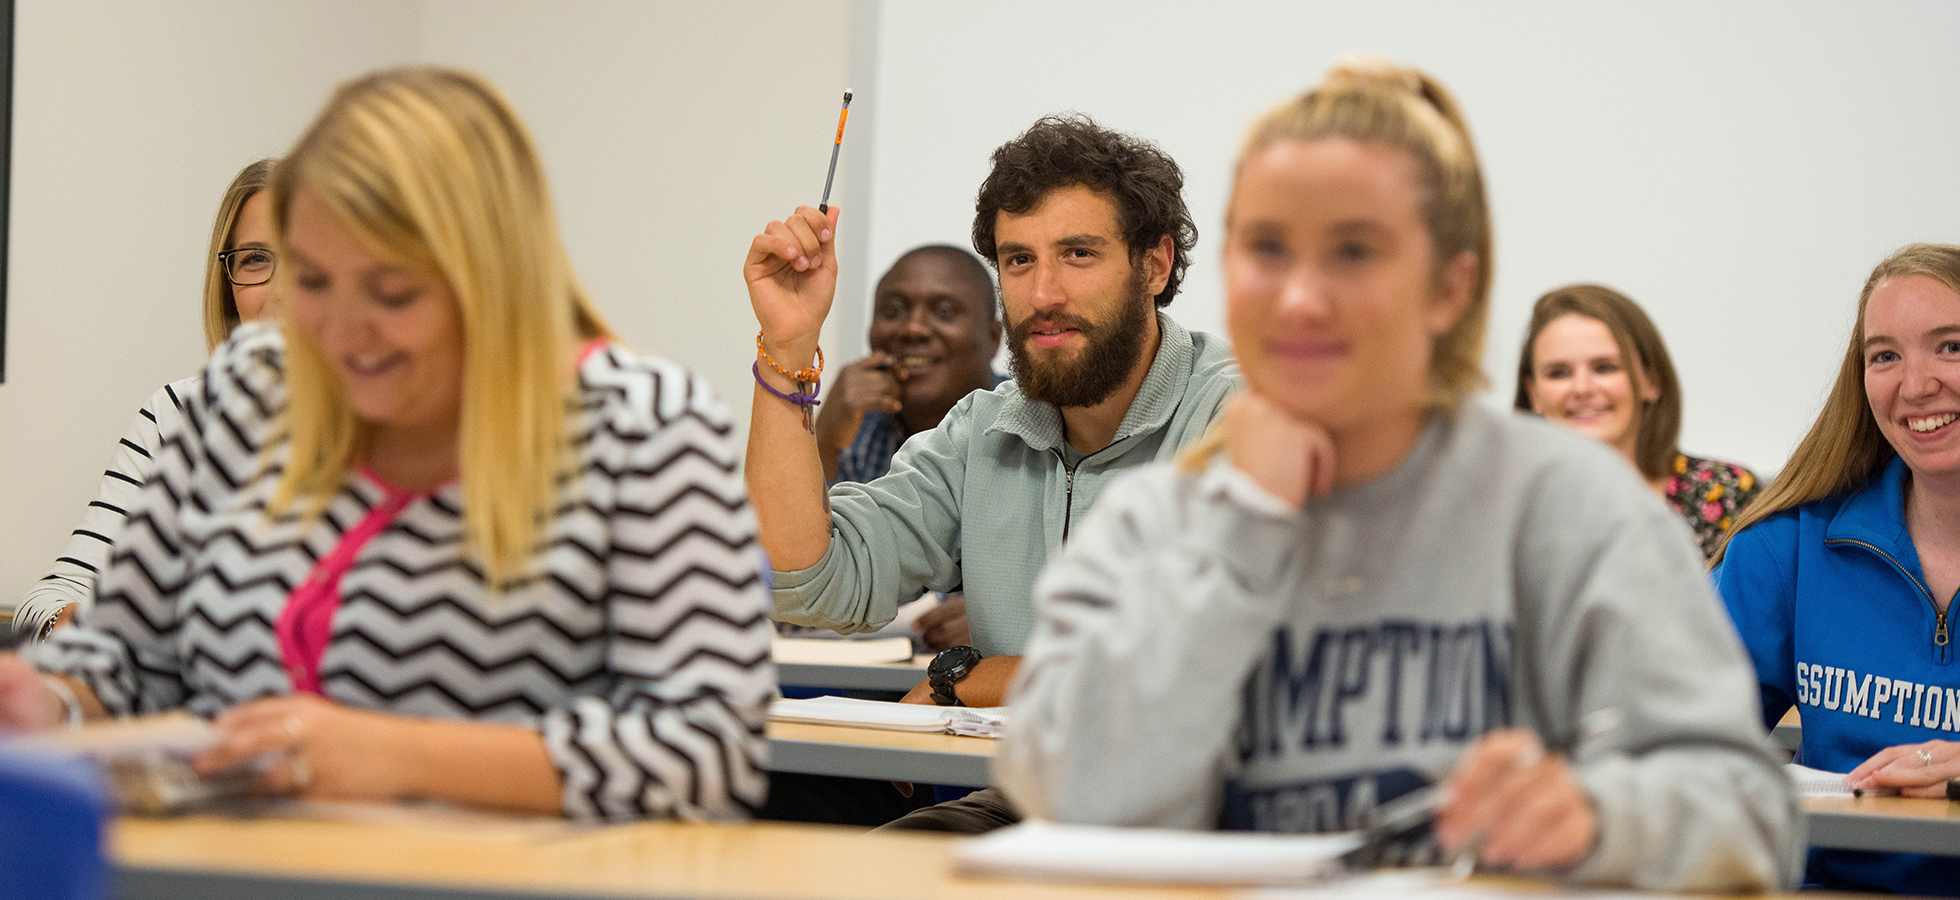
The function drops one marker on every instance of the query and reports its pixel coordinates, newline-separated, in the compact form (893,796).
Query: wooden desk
(212,858)
(888,755)
(1893,824)
(398,858)
(897,676)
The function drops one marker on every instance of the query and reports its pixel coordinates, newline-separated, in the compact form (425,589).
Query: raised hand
(791,272)
(1293,459)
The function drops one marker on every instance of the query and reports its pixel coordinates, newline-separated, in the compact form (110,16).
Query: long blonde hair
(1374,100)
(1845,450)
(1657,425)
(220,307)
(432,170)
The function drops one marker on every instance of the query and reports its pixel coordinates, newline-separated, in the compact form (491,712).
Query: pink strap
(592,346)
(306,624)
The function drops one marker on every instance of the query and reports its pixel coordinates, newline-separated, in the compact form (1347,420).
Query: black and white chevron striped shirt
(71,580)
(640,649)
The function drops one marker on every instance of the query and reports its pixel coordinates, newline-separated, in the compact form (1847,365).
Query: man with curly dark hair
(1066,165)
(1089,233)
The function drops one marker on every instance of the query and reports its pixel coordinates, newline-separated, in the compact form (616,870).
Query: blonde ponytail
(1371,99)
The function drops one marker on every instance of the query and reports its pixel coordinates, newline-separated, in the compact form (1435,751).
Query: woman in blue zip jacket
(1840,577)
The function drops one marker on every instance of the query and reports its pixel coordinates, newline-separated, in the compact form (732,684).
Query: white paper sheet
(173,733)
(1093,853)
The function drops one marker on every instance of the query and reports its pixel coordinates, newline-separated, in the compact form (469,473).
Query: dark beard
(1112,353)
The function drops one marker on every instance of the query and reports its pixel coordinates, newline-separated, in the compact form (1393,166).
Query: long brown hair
(1845,450)
(1657,425)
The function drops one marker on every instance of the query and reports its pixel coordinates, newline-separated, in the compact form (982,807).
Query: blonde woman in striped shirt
(438,535)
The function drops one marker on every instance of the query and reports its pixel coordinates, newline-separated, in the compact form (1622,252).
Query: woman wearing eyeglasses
(237,288)
(238,273)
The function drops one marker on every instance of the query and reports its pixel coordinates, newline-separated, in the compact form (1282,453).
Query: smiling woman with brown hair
(1593,362)
(1841,577)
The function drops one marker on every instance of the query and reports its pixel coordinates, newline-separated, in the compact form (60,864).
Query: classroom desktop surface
(1886,824)
(392,854)
(888,755)
(214,858)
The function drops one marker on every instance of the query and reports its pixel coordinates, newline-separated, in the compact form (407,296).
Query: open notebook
(888,716)
(1096,853)
(1819,783)
(147,761)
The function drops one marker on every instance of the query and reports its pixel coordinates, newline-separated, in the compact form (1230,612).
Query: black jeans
(830,800)
(976,813)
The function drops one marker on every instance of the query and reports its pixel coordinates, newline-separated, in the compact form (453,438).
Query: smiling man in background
(933,339)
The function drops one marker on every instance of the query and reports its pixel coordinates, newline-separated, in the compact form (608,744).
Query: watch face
(953,662)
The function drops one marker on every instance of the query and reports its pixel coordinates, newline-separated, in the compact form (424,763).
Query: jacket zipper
(1068,485)
(1941,637)
(1068,499)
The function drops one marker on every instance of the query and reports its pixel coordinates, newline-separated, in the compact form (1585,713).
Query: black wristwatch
(951,665)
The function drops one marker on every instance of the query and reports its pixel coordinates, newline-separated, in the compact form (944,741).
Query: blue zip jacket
(1834,610)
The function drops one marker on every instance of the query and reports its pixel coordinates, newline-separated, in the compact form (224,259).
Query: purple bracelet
(809,399)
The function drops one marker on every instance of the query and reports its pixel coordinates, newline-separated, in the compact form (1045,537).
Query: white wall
(1737,168)
(130,118)
(671,134)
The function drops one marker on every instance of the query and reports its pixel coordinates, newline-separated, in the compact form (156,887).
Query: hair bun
(1371,71)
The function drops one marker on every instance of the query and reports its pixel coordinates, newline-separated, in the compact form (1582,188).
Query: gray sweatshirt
(1207,657)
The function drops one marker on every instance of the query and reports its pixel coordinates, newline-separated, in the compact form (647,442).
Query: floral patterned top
(1708,493)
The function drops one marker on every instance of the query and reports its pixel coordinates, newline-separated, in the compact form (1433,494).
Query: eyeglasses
(247,266)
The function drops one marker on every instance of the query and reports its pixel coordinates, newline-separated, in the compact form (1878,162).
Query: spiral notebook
(1819,783)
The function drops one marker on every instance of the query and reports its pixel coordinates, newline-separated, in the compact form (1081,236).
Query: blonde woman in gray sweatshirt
(1366,582)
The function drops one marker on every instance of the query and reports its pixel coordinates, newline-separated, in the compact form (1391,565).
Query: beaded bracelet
(805,396)
(811,374)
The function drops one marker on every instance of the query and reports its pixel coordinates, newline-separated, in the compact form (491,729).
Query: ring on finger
(1925,757)
(299,771)
(294,727)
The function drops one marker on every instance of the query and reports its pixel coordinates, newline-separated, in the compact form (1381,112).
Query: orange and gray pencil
(842,115)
